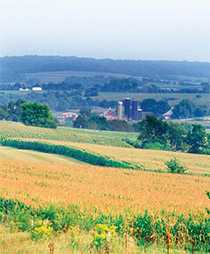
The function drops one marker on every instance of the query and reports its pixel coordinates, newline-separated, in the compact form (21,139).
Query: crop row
(75,153)
(171,231)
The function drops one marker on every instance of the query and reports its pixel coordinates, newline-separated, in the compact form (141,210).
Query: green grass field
(205,121)
(60,76)
(18,130)
(173,98)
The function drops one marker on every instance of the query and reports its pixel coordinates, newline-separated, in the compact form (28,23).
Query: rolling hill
(14,68)
(64,201)
(38,178)
(18,130)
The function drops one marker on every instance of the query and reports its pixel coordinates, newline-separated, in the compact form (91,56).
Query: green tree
(149,105)
(98,123)
(3,113)
(153,130)
(162,107)
(176,135)
(174,166)
(80,122)
(14,110)
(157,107)
(120,125)
(162,134)
(184,109)
(82,119)
(36,114)
(197,139)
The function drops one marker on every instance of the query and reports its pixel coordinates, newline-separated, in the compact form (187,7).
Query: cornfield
(81,204)
(172,231)
(151,159)
(37,178)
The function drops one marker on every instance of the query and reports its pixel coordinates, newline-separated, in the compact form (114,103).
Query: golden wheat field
(150,159)
(38,178)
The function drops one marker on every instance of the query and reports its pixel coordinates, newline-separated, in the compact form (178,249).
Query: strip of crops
(77,154)
(171,231)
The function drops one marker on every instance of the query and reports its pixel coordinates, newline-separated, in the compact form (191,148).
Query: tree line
(29,113)
(158,134)
(163,69)
(182,110)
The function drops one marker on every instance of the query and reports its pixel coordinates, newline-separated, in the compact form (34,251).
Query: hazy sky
(138,29)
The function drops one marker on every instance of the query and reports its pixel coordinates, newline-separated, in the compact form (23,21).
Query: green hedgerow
(174,166)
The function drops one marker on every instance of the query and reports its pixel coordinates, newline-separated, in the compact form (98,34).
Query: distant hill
(13,68)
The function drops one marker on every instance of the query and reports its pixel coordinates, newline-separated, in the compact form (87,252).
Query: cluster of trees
(163,69)
(121,85)
(78,83)
(29,113)
(156,107)
(59,100)
(187,109)
(88,120)
(12,111)
(91,86)
(156,133)
(153,132)
(184,109)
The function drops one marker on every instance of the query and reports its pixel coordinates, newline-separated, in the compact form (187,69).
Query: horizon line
(108,58)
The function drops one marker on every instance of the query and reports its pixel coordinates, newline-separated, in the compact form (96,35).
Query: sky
(119,29)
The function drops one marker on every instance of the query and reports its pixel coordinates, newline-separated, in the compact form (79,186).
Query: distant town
(115,91)
(127,110)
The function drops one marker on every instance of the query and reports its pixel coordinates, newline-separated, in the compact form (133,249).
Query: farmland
(17,130)
(122,188)
(37,177)
(92,196)
(60,76)
(172,98)
(205,121)
(20,242)
(150,159)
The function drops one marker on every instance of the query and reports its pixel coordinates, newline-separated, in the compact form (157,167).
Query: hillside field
(18,130)
(172,98)
(37,178)
(152,160)
(60,76)
(40,179)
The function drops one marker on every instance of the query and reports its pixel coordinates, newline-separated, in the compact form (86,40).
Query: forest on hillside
(12,68)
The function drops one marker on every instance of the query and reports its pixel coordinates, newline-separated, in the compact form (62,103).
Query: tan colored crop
(39,178)
(151,159)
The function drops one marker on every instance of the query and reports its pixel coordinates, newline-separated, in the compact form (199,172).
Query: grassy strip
(77,154)
(169,230)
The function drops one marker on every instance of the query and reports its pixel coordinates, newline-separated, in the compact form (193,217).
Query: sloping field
(150,159)
(18,130)
(173,98)
(37,178)
(60,76)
